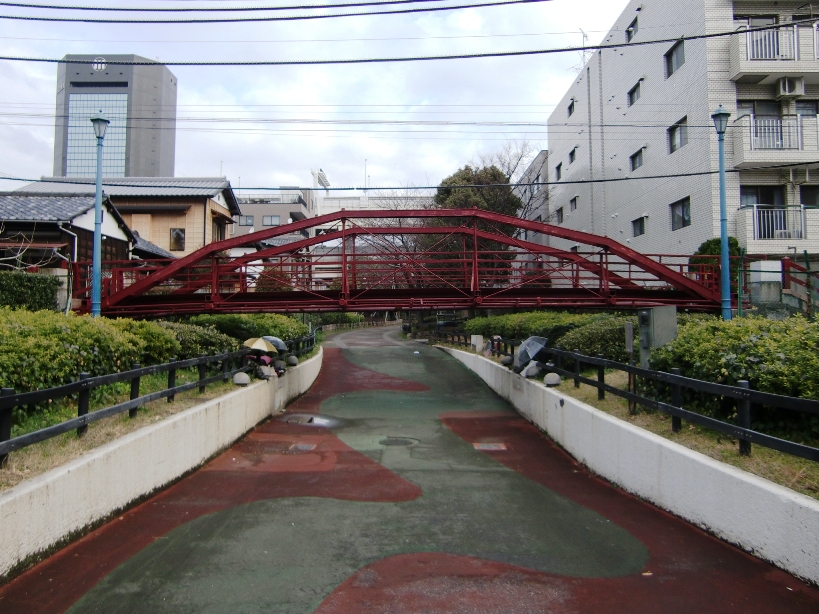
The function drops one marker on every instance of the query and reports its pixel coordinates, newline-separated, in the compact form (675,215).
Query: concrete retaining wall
(40,512)
(763,518)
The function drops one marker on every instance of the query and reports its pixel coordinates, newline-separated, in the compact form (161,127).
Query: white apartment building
(645,110)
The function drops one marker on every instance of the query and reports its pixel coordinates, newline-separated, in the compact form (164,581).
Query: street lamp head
(100,124)
(720,117)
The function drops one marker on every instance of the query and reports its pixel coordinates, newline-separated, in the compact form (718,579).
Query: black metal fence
(744,396)
(230,364)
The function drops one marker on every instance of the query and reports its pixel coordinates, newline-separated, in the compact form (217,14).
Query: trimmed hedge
(777,356)
(605,336)
(160,344)
(28,290)
(245,326)
(195,340)
(43,349)
(550,324)
(341,317)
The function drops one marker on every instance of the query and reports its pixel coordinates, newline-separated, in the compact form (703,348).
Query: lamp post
(720,117)
(100,123)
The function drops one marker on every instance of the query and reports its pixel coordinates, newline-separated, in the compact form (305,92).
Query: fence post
(225,369)
(577,368)
(744,418)
(5,425)
(82,405)
(171,379)
(203,372)
(132,413)
(676,401)
(601,379)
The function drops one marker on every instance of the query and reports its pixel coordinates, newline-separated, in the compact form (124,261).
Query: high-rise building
(140,102)
(641,112)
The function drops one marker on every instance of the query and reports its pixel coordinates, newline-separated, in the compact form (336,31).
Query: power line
(465,56)
(431,9)
(210,9)
(125,183)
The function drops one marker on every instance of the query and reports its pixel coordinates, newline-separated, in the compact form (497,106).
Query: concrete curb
(40,512)
(765,519)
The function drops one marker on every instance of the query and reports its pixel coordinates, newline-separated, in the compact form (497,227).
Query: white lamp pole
(720,117)
(100,123)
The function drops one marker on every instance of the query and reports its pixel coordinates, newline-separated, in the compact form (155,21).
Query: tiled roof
(17,206)
(138,186)
(150,249)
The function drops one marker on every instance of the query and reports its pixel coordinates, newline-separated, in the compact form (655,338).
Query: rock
(264,372)
(292,361)
(507,361)
(551,379)
(532,370)
(279,364)
(241,379)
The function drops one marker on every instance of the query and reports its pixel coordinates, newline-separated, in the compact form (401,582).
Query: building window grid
(570,109)
(678,135)
(634,94)
(674,58)
(681,213)
(572,155)
(245,220)
(631,31)
(177,240)
(638,226)
(81,144)
(559,171)
(559,216)
(573,203)
(636,159)
(271,220)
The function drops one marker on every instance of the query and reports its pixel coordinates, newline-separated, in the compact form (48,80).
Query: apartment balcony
(763,56)
(770,229)
(773,141)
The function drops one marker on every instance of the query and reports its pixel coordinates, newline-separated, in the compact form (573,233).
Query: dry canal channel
(399,483)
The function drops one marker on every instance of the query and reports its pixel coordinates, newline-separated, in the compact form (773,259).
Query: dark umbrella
(528,351)
(278,343)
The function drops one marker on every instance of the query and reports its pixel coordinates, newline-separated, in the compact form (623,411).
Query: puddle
(486,446)
(311,420)
(398,441)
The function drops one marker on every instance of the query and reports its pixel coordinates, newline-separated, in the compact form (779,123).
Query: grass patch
(44,456)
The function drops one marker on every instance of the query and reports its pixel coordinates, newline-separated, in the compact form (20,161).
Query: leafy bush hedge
(195,340)
(43,349)
(245,326)
(341,317)
(605,336)
(550,324)
(28,290)
(160,344)
(778,356)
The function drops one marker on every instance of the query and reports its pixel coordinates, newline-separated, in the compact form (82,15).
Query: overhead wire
(211,9)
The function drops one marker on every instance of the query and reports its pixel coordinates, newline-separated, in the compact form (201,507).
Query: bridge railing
(572,364)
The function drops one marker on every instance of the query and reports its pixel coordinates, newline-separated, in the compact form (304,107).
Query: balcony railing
(772,222)
(776,132)
(777,44)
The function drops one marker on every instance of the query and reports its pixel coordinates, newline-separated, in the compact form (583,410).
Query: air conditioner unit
(790,87)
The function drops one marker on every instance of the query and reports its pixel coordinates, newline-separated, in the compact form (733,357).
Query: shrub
(605,336)
(28,290)
(550,324)
(160,344)
(245,326)
(341,317)
(44,349)
(195,340)
(777,356)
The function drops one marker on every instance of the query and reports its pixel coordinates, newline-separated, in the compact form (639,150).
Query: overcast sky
(264,154)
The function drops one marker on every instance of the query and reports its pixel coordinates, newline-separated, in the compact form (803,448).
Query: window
(809,195)
(573,204)
(559,216)
(571,108)
(559,171)
(572,155)
(271,220)
(674,59)
(759,108)
(806,107)
(771,195)
(536,187)
(681,214)
(636,159)
(245,220)
(634,94)
(177,239)
(638,226)
(631,31)
(678,135)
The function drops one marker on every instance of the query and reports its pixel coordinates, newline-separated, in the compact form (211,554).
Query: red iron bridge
(402,260)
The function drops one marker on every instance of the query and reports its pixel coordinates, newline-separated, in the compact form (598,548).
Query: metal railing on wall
(775,44)
(772,222)
(744,396)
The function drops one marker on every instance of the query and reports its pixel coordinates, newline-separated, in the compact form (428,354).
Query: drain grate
(302,447)
(489,447)
(397,441)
